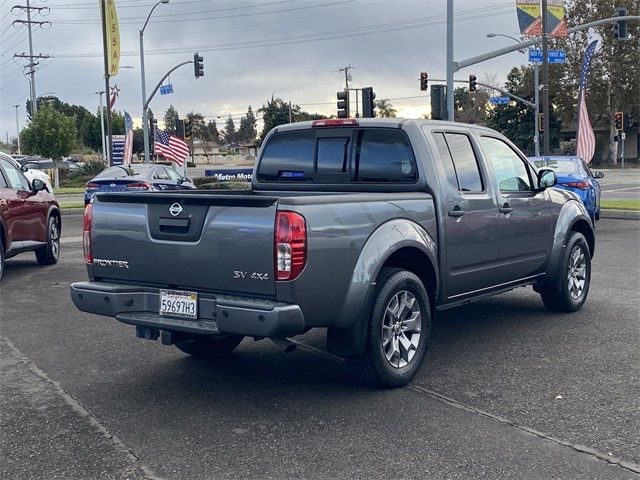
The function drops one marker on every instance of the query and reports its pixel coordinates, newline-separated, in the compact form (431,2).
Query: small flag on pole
(170,147)
(586,139)
(128,139)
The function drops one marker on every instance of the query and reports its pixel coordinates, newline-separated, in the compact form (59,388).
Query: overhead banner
(530,18)
(113,37)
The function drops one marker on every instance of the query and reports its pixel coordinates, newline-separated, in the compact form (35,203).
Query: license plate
(175,303)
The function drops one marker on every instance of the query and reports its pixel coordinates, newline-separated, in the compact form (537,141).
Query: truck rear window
(375,155)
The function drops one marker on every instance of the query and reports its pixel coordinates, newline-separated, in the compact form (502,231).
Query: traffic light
(188,128)
(472,83)
(424,81)
(618,119)
(179,128)
(438,102)
(198,66)
(620,27)
(368,105)
(343,104)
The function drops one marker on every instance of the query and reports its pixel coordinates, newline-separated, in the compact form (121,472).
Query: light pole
(536,95)
(145,123)
(104,147)
(18,129)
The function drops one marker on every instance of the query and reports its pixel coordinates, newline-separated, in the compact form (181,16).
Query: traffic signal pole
(545,80)
(450,63)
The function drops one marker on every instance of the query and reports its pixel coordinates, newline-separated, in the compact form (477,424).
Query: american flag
(170,147)
(586,141)
(128,139)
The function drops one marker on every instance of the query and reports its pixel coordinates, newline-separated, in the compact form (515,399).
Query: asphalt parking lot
(507,390)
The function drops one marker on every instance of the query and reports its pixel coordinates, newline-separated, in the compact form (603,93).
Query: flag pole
(103,9)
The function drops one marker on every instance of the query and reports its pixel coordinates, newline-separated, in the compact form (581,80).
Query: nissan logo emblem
(175,209)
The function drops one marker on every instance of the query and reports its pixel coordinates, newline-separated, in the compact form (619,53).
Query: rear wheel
(48,254)
(209,346)
(569,291)
(398,333)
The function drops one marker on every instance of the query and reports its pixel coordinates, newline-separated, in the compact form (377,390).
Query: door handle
(505,208)
(457,212)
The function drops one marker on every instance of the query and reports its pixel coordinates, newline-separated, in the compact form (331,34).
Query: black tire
(373,366)
(558,295)
(1,257)
(209,346)
(597,215)
(49,254)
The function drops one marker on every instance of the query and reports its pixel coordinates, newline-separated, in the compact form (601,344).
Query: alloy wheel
(401,328)
(576,276)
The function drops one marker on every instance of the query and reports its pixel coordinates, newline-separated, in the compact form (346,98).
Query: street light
(145,125)
(536,136)
(104,147)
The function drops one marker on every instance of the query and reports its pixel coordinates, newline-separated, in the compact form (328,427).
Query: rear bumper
(138,305)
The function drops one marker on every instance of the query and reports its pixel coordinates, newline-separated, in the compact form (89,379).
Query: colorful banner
(530,18)
(113,37)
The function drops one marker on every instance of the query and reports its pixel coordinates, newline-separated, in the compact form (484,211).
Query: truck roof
(387,122)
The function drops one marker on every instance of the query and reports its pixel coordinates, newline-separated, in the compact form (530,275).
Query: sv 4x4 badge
(253,276)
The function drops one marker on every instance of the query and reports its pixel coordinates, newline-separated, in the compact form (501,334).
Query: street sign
(166,89)
(555,56)
(117,149)
(500,100)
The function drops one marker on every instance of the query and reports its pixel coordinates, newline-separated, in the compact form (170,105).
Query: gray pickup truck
(365,227)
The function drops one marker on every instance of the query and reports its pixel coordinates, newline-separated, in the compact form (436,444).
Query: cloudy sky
(252,49)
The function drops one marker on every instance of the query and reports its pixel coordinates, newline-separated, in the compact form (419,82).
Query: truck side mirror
(546,178)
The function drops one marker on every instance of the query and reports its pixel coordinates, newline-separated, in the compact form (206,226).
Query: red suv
(29,217)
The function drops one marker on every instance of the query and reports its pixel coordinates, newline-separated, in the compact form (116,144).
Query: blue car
(136,178)
(575,175)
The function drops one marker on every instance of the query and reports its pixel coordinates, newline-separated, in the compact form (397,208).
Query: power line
(32,64)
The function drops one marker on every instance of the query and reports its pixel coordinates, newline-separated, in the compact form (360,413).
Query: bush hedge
(225,186)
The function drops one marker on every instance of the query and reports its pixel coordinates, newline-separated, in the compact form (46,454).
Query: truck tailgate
(186,241)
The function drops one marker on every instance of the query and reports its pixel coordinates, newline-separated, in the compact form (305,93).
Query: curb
(620,214)
(72,211)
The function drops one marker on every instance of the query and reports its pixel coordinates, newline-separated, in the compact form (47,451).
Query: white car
(31,174)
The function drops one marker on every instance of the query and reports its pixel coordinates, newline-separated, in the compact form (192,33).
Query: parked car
(365,227)
(48,164)
(31,174)
(575,175)
(29,216)
(137,177)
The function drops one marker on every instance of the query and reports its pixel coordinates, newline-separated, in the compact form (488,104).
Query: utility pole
(104,148)
(545,80)
(450,66)
(347,77)
(31,65)
(290,117)
(18,129)
(103,11)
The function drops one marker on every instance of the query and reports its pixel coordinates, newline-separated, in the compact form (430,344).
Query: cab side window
(511,173)
(173,175)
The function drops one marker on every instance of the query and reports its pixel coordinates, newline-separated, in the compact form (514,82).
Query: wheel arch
(399,243)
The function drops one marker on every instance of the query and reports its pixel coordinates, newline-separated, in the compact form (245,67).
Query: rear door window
(465,161)
(447,161)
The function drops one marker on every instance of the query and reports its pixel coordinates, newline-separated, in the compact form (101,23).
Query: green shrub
(91,169)
(225,186)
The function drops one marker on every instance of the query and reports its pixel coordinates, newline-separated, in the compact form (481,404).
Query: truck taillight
(290,245)
(86,233)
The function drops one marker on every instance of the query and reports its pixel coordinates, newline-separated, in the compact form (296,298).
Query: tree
(50,134)
(80,114)
(211,133)
(247,131)
(384,108)
(516,120)
(276,112)
(614,79)
(199,126)
(230,134)
(471,107)
(170,118)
